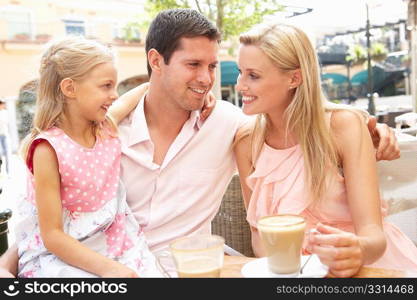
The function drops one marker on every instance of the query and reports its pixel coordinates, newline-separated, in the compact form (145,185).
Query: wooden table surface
(233,264)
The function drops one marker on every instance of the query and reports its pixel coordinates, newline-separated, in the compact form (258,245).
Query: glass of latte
(197,256)
(282,237)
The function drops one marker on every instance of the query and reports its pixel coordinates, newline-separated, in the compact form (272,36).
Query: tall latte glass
(282,237)
(198,256)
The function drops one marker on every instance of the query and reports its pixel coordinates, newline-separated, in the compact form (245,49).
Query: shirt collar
(139,129)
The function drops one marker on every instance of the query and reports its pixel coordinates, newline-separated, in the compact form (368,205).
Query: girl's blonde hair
(71,57)
(290,49)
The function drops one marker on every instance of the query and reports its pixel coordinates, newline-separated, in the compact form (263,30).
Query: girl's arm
(127,102)
(208,107)
(242,150)
(8,262)
(342,251)
(122,107)
(68,249)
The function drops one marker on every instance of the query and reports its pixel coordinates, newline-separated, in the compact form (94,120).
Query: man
(175,166)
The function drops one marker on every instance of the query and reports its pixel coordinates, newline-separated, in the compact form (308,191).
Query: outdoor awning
(361,77)
(229,72)
(335,77)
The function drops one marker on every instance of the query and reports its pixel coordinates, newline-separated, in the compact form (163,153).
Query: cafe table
(233,264)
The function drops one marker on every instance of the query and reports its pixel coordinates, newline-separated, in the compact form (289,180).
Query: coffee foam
(281,223)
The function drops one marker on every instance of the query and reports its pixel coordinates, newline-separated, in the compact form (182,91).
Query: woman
(306,156)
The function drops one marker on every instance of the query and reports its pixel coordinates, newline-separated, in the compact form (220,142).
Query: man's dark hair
(169,26)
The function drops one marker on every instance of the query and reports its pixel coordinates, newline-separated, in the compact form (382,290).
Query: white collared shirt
(182,195)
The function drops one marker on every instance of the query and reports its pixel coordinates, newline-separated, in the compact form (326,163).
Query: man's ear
(155,60)
(296,78)
(67,86)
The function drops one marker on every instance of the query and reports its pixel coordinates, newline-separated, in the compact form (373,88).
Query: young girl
(308,157)
(77,221)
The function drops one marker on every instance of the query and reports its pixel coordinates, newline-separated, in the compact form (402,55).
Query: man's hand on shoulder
(384,140)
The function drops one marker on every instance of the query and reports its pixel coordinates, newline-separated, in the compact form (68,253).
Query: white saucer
(259,268)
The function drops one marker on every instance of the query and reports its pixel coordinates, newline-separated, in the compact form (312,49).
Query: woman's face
(264,87)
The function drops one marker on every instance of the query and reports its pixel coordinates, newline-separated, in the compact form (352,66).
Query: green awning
(361,77)
(229,72)
(335,77)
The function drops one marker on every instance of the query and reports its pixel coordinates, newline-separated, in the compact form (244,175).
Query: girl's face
(264,87)
(96,92)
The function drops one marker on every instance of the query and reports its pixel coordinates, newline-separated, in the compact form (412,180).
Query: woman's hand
(209,104)
(339,250)
(119,270)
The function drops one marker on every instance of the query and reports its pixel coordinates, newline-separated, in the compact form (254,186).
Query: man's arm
(384,140)
(8,262)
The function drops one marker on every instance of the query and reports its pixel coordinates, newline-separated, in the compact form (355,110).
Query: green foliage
(336,101)
(232,17)
(131,32)
(378,52)
(357,55)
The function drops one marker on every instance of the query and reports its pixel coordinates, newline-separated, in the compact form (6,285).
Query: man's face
(190,73)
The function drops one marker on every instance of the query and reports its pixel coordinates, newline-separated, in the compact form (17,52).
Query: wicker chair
(230,222)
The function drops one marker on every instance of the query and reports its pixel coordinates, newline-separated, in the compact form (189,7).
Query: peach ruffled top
(278,187)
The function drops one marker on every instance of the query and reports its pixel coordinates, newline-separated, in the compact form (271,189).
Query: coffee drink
(198,255)
(282,237)
(199,267)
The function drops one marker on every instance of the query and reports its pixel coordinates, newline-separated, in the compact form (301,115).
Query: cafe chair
(406,123)
(230,221)
(5,215)
(398,186)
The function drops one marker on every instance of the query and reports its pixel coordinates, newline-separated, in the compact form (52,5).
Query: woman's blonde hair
(71,57)
(290,49)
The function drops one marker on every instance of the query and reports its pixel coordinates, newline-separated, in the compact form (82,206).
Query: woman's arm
(242,150)
(345,252)
(47,189)
(243,161)
(127,102)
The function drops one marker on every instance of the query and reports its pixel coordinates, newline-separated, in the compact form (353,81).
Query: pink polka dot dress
(94,206)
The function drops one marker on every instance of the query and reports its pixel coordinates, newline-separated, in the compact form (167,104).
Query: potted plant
(378,52)
(43,37)
(356,56)
(23,36)
(119,40)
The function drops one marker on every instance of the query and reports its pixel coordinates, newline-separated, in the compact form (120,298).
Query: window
(118,31)
(127,31)
(18,20)
(74,27)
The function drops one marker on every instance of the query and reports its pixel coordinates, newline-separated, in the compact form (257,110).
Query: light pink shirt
(182,195)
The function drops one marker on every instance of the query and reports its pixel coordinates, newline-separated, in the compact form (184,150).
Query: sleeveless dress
(278,187)
(94,207)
